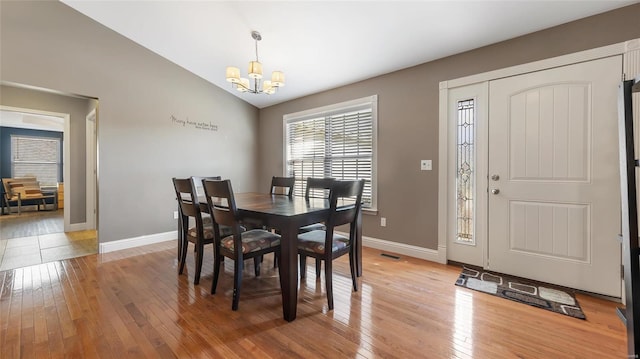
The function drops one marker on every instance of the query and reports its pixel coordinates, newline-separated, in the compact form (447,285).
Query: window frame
(338,108)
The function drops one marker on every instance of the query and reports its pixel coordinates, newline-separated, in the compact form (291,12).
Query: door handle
(495,191)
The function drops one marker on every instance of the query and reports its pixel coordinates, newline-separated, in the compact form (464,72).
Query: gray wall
(408,118)
(49,45)
(75,186)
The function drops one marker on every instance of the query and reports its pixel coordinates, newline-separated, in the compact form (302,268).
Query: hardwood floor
(132,303)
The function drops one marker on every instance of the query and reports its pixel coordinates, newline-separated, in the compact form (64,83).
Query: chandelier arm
(243,86)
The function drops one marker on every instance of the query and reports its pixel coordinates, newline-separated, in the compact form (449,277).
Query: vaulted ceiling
(321,45)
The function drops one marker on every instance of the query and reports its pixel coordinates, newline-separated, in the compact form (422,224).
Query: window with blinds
(36,157)
(335,141)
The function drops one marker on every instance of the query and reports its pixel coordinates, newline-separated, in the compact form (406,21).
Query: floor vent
(389,256)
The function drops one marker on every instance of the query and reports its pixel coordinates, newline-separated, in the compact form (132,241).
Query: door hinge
(622,271)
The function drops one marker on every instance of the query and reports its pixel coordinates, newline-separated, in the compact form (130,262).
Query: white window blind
(337,141)
(36,157)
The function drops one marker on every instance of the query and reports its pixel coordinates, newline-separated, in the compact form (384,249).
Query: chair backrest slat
(187,199)
(221,202)
(197,183)
(282,183)
(318,184)
(350,192)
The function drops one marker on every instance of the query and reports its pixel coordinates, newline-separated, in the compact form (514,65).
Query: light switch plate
(425,165)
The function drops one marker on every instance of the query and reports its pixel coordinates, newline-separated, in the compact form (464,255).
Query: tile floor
(27,251)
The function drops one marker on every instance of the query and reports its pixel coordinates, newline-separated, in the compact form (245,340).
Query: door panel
(548,138)
(553,142)
(559,230)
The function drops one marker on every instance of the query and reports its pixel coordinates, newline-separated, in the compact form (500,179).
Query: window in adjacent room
(36,157)
(337,141)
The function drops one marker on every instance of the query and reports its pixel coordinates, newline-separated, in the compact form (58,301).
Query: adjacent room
(43,141)
(319,179)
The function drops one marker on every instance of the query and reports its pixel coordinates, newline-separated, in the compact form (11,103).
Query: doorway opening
(67,229)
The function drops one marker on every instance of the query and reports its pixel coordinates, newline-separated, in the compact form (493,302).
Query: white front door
(554,198)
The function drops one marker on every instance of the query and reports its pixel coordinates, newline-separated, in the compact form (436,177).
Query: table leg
(288,267)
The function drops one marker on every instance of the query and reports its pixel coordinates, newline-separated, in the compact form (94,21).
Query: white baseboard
(438,256)
(73,227)
(126,243)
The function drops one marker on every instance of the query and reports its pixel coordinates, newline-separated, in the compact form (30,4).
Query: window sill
(370,211)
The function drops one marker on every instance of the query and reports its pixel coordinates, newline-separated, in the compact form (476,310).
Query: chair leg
(183,254)
(256,263)
(318,268)
(179,244)
(237,283)
(303,266)
(275,259)
(199,255)
(352,265)
(217,263)
(328,279)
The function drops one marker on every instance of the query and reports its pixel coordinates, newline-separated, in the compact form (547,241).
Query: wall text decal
(207,126)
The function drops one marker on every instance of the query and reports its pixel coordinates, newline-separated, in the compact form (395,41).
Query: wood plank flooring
(132,304)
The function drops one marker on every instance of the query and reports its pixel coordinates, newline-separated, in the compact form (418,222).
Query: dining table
(286,215)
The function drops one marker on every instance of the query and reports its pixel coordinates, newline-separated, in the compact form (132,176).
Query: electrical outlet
(425,165)
(383,222)
(175,214)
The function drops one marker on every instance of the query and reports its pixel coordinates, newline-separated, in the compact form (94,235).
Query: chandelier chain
(257,58)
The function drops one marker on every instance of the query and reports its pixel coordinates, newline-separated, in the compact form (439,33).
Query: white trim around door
(447,200)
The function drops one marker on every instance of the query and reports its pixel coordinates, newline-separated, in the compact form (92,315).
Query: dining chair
(282,185)
(196,182)
(238,245)
(326,245)
(316,188)
(199,235)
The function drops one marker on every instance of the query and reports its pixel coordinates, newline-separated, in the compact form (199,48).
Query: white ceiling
(321,45)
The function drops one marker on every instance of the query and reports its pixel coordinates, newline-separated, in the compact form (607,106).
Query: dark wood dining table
(287,215)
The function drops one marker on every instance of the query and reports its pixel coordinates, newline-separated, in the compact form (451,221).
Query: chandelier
(256,85)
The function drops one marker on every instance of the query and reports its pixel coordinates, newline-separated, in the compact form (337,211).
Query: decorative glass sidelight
(465,171)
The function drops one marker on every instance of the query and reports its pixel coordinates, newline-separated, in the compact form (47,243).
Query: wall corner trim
(126,243)
(632,45)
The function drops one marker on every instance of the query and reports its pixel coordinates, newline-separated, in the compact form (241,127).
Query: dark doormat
(538,294)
